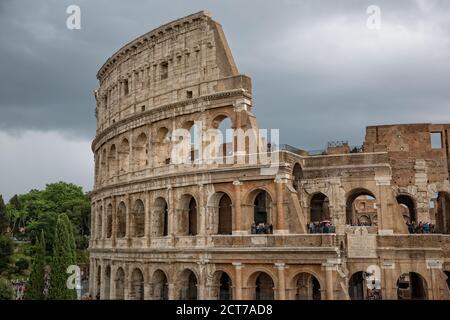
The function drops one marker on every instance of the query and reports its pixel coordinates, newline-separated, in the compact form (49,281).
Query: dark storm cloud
(318,73)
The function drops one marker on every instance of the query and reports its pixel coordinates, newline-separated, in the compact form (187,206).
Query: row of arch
(109,223)
(261,285)
(134,154)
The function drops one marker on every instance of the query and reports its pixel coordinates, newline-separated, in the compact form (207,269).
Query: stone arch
(263,206)
(124,156)
(109,221)
(222,210)
(412,286)
(307,286)
(99,223)
(104,165)
(121,220)
(189,215)
(443,213)
(107,284)
(319,208)
(119,281)
(357,286)
(188,282)
(137,285)
(112,161)
(262,285)
(98,282)
(162,146)
(407,206)
(138,219)
(352,196)
(222,286)
(297,175)
(161,217)
(140,152)
(160,285)
(224,125)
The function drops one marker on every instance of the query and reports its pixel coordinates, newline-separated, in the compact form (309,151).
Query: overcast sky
(318,72)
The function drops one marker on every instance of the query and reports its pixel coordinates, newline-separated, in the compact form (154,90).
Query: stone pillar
(147,285)
(94,231)
(172,226)
(389,284)
(102,279)
(280,185)
(91,276)
(435,267)
(114,221)
(127,283)
(147,232)
(329,267)
(172,291)
(128,218)
(237,219)
(281,281)
(104,220)
(238,281)
(112,286)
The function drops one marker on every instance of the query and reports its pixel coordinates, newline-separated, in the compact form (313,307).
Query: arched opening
(98,226)
(189,220)
(162,146)
(224,137)
(357,286)
(296,176)
(137,285)
(447,273)
(138,219)
(443,213)
(107,283)
(225,215)
(319,208)
(361,208)
(408,209)
(188,285)
(160,286)
(112,161)
(124,156)
(99,282)
(104,165)
(307,287)
(109,221)
(121,220)
(264,286)
(120,284)
(161,214)
(411,286)
(262,213)
(224,286)
(140,152)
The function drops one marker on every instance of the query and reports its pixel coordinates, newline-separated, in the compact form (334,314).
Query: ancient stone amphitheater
(344,223)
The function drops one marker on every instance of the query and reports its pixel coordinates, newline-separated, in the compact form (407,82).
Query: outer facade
(168,230)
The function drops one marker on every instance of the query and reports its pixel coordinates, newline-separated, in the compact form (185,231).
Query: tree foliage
(63,256)
(6,250)
(35,287)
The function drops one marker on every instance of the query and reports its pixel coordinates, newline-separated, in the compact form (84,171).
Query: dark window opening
(164,70)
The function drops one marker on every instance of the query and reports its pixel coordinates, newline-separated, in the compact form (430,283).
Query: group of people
(321,227)
(421,227)
(19,288)
(361,224)
(262,228)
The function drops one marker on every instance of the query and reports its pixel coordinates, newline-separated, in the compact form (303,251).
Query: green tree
(6,250)
(35,287)
(63,256)
(4,221)
(6,290)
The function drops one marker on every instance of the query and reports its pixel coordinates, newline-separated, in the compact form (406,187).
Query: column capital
(281,178)
(237,265)
(280,265)
(237,183)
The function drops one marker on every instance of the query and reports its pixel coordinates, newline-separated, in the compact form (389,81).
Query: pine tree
(4,221)
(63,257)
(35,287)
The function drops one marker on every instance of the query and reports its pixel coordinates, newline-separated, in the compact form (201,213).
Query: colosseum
(369,222)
